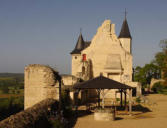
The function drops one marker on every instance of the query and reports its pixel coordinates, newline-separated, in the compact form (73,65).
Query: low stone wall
(31,116)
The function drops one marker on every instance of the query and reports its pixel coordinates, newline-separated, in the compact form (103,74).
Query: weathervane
(125,13)
(80,30)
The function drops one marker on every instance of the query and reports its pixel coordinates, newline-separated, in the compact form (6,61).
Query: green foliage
(138,99)
(11,83)
(9,106)
(146,73)
(163,45)
(4,89)
(158,87)
(159,59)
(56,123)
(66,105)
(117,99)
(156,69)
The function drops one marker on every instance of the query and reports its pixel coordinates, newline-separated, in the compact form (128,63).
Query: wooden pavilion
(101,83)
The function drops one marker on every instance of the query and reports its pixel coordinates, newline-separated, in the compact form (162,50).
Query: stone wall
(153,81)
(68,81)
(32,116)
(40,83)
(107,55)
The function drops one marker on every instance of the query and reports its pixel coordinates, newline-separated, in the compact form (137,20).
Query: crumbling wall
(32,116)
(67,82)
(40,83)
(153,81)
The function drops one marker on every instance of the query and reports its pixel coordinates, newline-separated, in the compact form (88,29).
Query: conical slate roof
(125,33)
(81,44)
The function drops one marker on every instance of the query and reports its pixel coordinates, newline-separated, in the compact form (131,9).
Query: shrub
(66,105)
(4,89)
(117,99)
(56,123)
(158,87)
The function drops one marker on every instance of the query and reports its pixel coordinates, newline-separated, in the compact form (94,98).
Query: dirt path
(155,119)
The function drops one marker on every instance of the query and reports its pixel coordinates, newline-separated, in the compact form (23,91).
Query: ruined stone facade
(108,54)
(40,83)
(105,54)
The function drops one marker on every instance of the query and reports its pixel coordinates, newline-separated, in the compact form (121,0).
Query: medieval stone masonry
(105,54)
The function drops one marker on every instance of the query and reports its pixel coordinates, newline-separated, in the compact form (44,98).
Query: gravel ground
(155,119)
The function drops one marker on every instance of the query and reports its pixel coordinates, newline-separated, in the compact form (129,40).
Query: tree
(156,69)
(146,73)
(161,59)
(5,89)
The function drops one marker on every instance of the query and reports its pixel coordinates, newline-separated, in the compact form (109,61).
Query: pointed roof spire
(125,33)
(125,13)
(80,45)
(80,30)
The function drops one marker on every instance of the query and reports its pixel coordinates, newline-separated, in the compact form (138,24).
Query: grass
(6,78)
(10,95)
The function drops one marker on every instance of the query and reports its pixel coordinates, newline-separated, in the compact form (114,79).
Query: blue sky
(46,31)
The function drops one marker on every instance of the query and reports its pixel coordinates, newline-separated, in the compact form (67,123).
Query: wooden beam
(98,92)
(130,101)
(103,94)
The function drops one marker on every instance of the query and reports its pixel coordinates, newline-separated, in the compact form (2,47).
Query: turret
(79,46)
(125,36)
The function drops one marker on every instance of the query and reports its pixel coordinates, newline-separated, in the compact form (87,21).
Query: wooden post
(130,101)
(115,101)
(98,97)
(125,98)
(121,97)
(103,98)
